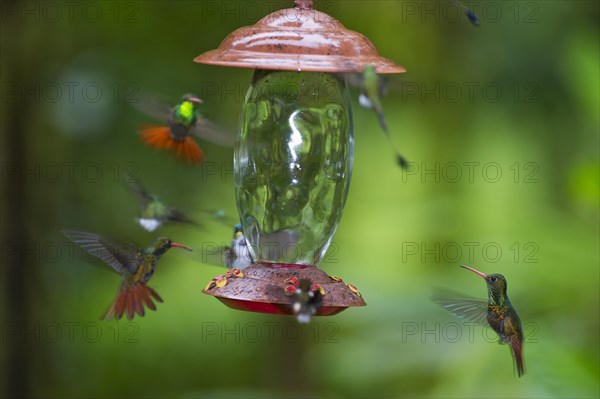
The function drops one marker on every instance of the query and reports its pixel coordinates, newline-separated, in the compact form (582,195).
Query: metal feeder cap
(299,39)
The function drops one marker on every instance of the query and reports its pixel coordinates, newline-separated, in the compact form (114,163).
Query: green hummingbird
(183,120)
(136,265)
(497,311)
(306,300)
(372,87)
(153,211)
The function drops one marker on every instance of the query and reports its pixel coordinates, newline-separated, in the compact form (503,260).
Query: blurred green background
(516,102)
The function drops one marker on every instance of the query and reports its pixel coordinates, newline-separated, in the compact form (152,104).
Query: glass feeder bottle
(294,151)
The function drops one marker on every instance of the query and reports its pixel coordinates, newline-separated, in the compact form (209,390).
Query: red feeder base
(261,288)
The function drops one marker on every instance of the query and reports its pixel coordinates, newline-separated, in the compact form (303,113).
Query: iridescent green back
(185,113)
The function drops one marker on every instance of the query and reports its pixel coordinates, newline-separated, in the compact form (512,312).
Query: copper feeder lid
(299,39)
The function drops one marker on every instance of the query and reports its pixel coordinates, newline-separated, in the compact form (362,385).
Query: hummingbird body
(503,318)
(497,311)
(370,96)
(153,212)
(183,121)
(153,215)
(183,118)
(135,265)
(372,88)
(306,301)
(238,255)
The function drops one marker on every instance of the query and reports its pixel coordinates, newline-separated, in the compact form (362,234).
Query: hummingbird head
(163,244)
(187,111)
(496,284)
(237,231)
(496,281)
(239,240)
(191,98)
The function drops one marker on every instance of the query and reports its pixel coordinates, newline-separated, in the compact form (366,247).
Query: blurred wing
(469,309)
(208,131)
(385,85)
(354,80)
(119,255)
(153,106)
(140,193)
(175,215)
(221,217)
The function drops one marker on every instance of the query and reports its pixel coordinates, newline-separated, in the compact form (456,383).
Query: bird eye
(493,279)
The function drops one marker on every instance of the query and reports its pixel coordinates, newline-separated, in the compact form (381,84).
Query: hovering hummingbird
(372,87)
(153,211)
(468,12)
(498,311)
(306,301)
(183,120)
(237,256)
(136,265)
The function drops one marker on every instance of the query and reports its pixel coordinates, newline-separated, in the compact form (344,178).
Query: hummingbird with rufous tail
(183,121)
(135,264)
(498,311)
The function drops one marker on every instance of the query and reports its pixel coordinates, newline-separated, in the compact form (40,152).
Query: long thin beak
(475,271)
(196,100)
(174,244)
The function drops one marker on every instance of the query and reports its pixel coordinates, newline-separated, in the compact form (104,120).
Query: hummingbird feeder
(293,154)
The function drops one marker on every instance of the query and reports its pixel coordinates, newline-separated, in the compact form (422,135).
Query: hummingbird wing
(117,254)
(208,131)
(175,215)
(140,193)
(355,80)
(463,306)
(220,216)
(152,105)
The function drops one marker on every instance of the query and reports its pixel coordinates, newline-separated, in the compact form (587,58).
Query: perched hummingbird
(372,88)
(136,266)
(468,12)
(153,212)
(306,301)
(183,120)
(237,256)
(498,311)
